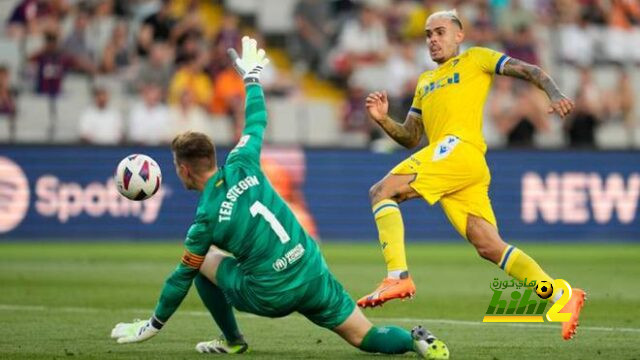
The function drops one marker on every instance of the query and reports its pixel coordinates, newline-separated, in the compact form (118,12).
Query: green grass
(61,300)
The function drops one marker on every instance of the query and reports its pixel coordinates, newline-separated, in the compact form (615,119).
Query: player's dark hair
(195,149)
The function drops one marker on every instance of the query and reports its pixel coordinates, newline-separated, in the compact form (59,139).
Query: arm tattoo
(533,74)
(407,134)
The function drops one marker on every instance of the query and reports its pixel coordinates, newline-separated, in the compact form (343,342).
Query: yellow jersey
(450,99)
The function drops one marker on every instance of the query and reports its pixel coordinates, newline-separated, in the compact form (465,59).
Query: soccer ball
(544,289)
(138,177)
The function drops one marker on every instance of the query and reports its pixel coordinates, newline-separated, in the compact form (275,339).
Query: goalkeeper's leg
(221,311)
(358,331)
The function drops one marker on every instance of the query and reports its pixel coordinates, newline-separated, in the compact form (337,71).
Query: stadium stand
(316,84)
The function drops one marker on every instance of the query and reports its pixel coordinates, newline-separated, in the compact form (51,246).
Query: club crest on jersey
(440,83)
(445,147)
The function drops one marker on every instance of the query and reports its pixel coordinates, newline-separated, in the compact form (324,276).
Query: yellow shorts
(456,174)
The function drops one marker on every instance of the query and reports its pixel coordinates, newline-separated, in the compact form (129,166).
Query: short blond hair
(195,149)
(452,15)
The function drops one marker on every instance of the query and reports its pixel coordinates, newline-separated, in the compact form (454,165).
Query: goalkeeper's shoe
(222,346)
(427,345)
(573,306)
(389,289)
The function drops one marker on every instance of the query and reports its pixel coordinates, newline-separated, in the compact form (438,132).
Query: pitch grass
(61,300)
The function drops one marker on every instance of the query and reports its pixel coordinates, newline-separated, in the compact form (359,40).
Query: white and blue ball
(138,177)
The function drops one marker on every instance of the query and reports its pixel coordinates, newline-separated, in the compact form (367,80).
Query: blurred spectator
(156,69)
(228,98)
(314,30)
(593,11)
(149,122)
(517,111)
(578,41)
(362,44)
(588,113)
(31,17)
(100,123)
(619,101)
(196,15)
(355,117)
(104,19)
(359,59)
(187,115)
(228,87)
(483,33)
(402,74)
(625,98)
(190,76)
(8,101)
(415,18)
(622,40)
(228,37)
(277,82)
(188,46)
(522,45)
(514,17)
(122,8)
(51,65)
(77,43)
(117,55)
(156,27)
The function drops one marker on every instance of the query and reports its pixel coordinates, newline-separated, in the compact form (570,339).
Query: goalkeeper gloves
(252,61)
(137,331)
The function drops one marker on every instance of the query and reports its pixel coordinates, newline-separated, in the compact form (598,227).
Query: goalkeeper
(276,268)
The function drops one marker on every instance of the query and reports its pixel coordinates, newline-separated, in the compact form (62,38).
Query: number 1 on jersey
(259,209)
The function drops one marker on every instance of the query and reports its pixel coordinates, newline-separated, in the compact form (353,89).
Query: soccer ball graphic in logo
(138,177)
(544,289)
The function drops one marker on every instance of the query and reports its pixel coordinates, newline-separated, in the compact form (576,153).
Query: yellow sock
(391,234)
(520,266)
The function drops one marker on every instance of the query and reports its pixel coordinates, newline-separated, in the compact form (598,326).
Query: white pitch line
(11,307)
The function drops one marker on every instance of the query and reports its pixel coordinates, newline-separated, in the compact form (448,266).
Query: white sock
(557,295)
(395,274)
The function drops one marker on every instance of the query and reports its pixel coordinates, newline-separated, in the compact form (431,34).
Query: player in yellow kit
(447,107)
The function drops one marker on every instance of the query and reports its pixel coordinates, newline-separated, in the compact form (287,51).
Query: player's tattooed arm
(535,75)
(407,134)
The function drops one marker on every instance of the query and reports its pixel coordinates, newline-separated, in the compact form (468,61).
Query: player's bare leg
(489,245)
(232,341)
(358,331)
(211,263)
(355,328)
(485,239)
(385,197)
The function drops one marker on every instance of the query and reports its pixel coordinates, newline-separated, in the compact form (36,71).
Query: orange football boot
(389,289)
(573,306)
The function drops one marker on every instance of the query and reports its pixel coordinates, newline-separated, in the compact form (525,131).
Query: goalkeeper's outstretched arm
(249,66)
(175,288)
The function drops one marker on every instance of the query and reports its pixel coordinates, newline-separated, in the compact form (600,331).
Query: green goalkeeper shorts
(322,300)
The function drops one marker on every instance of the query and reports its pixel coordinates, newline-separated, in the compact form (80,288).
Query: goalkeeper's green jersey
(240,212)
